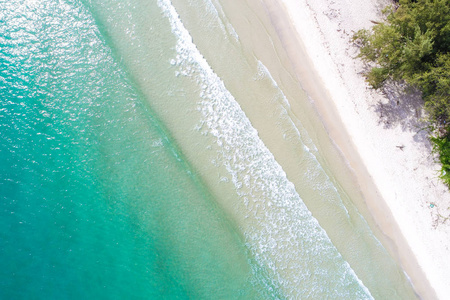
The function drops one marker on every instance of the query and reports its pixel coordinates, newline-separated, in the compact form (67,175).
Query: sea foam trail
(279,229)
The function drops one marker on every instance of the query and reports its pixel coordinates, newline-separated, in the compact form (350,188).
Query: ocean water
(130,169)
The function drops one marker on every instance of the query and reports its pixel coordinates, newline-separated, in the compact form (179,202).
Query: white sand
(386,135)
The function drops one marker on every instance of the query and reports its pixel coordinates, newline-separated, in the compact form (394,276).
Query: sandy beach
(378,133)
(168,150)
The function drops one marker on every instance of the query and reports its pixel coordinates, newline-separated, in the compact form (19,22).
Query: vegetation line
(412,45)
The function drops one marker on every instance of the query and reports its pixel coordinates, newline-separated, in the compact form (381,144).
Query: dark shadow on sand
(404,108)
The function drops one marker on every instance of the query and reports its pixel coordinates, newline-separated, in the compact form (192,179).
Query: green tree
(413,45)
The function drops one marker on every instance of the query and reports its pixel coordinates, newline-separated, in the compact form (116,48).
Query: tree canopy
(413,45)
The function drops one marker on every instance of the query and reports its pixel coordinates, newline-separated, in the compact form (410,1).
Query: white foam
(315,170)
(227,26)
(281,233)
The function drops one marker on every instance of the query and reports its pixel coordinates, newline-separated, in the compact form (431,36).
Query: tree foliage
(441,145)
(413,45)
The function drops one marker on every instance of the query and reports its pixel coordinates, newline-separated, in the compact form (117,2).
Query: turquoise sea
(130,170)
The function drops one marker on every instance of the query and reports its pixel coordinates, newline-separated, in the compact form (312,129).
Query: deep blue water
(96,200)
(129,170)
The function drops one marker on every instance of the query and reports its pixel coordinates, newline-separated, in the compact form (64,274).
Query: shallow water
(129,168)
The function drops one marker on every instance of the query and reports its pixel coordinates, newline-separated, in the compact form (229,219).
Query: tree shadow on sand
(405,109)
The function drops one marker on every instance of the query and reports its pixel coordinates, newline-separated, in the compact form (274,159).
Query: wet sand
(397,190)
(306,48)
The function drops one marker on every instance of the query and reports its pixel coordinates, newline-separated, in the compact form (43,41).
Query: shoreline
(274,120)
(317,90)
(350,129)
(304,33)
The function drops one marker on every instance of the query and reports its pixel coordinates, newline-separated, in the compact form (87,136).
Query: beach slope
(378,132)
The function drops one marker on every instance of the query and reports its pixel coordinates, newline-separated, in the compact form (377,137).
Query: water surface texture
(96,200)
(129,170)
